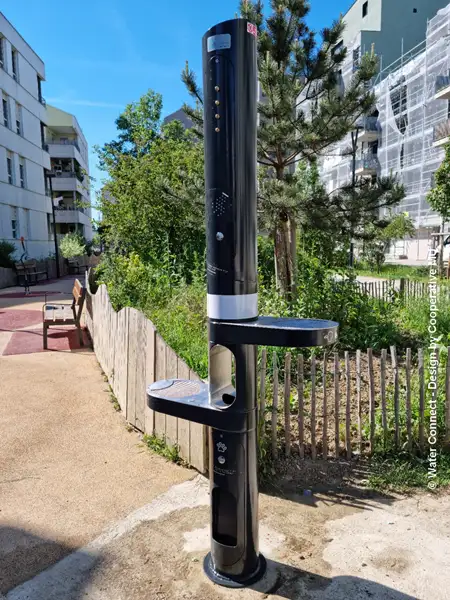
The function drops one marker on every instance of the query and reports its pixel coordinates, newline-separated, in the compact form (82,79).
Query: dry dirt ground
(319,548)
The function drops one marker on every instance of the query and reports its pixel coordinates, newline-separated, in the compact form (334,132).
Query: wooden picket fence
(340,407)
(405,289)
(133,355)
(336,406)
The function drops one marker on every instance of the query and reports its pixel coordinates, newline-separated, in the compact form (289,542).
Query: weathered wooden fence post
(325,409)
(348,441)
(274,406)
(313,408)
(358,398)
(383,396)
(396,395)
(408,398)
(371,399)
(336,403)
(301,408)
(287,403)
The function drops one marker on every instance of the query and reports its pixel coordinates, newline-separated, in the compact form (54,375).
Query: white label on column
(219,42)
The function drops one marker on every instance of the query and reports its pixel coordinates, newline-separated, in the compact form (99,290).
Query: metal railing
(70,208)
(369,162)
(368,124)
(65,143)
(441,131)
(68,174)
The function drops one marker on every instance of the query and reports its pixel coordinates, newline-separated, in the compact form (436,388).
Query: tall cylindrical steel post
(230,122)
(230,118)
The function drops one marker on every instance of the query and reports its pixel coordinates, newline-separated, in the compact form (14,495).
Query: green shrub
(413,319)
(72,245)
(7,251)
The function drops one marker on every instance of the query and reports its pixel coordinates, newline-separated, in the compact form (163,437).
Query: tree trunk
(284,257)
(293,248)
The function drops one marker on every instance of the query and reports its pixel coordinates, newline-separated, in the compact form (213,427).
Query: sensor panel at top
(219,42)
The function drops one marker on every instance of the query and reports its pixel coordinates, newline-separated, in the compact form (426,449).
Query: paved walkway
(68,466)
(21,319)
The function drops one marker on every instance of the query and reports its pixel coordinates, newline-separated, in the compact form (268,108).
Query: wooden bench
(73,265)
(65,314)
(28,271)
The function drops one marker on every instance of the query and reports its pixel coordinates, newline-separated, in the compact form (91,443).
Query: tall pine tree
(304,109)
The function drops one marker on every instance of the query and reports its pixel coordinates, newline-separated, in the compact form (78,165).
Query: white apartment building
(68,150)
(25,209)
(407,131)
(389,27)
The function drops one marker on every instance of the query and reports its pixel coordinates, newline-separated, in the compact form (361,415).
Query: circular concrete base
(235,582)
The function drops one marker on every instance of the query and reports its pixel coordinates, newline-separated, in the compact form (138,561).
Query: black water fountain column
(230,129)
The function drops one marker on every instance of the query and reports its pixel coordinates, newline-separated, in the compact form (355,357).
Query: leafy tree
(439,199)
(327,221)
(379,239)
(304,109)
(152,202)
(138,126)
(72,245)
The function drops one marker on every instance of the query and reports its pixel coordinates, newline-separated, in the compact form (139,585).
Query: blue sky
(100,55)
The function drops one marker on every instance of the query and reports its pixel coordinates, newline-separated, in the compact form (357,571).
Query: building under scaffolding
(407,132)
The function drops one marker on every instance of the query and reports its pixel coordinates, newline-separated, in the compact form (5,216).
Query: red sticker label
(252,29)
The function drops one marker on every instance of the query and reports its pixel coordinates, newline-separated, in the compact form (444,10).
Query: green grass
(406,474)
(159,446)
(389,271)
(113,400)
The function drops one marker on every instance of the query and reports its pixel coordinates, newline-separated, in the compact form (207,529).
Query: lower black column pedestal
(227,581)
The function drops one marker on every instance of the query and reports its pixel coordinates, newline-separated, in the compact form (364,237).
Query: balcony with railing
(71,174)
(71,214)
(441,133)
(367,165)
(368,129)
(65,149)
(64,142)
(442,90)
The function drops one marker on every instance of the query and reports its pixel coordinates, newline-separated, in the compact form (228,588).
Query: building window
(5,107)
(22,172)
(15,63)
(10,167)
(415,10)
(2,52)
(365,9)
(14,223)
(338,48)
(19,119)
(44,145)
(39,85)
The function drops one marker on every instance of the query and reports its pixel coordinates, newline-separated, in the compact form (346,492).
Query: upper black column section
(230,127)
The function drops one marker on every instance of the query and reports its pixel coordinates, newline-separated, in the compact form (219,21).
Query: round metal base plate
(234,582)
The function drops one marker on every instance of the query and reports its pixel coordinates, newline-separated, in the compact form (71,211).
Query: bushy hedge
(178,308)
(7,251)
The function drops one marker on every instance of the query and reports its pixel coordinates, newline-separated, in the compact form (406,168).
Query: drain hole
(228,399)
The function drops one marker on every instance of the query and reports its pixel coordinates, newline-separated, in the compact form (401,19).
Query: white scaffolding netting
(408,114)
